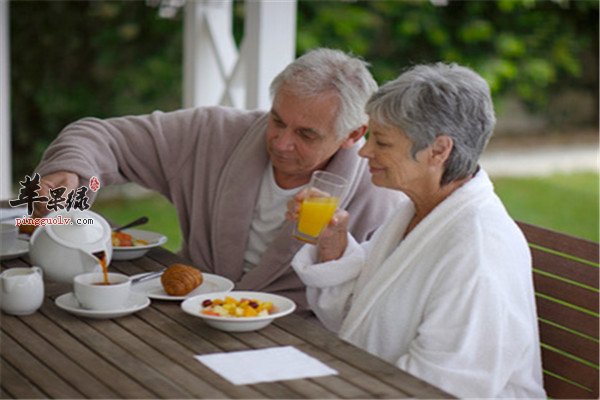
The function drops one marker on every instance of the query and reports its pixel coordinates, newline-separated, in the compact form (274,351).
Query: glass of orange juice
(325,191)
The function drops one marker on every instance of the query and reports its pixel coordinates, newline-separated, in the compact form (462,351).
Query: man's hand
(66,179)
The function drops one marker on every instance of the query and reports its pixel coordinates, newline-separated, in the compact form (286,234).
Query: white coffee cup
(93,294)
(21,290)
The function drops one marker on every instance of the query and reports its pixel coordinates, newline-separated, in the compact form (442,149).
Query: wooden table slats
(86,358)
(150,354)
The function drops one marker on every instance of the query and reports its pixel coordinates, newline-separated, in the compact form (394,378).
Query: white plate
(154,289)
(131,252)
(69,303)
(284,306)
(20,248)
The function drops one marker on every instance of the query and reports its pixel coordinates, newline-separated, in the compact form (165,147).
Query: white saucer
(20,248)
(210,284)
(69,303)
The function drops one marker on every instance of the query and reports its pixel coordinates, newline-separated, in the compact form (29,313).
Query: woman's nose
(365,150)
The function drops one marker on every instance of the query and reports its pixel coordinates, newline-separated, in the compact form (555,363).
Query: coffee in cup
(93,294)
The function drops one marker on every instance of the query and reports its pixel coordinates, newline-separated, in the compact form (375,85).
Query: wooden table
(150,354)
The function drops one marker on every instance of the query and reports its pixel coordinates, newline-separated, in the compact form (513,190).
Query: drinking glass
(325,192)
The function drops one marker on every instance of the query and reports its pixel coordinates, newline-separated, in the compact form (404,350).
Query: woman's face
(390,162)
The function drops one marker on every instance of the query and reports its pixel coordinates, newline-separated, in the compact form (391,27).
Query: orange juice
(315,214)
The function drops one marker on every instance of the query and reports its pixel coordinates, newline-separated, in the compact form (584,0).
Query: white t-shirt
(269,215)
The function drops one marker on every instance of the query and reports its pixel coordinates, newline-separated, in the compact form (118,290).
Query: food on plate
(180,279)
(230,307)
(27,229)
(122,239)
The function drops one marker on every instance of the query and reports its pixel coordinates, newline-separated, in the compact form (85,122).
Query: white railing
(216,72)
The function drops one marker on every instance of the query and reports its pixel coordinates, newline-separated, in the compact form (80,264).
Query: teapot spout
(89,263)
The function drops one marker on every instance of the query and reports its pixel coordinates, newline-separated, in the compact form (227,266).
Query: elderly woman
(444,289)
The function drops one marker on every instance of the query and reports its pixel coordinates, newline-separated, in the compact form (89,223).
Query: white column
(5,142)
(214,71)
(270,37)
(209,51)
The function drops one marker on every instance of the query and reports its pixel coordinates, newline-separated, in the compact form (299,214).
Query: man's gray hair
(324,70)
(428,101)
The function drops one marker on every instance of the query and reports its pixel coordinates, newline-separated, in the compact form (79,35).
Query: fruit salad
(230,307)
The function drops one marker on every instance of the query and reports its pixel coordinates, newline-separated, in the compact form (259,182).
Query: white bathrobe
(452,303)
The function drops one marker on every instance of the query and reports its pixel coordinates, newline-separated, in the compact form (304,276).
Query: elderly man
(230,172)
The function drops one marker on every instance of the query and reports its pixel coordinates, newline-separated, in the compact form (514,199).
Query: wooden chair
(565,271)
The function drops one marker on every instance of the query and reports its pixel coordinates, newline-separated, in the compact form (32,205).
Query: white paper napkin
(265,365)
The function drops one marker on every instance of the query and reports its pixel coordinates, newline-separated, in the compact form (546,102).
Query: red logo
(94,184)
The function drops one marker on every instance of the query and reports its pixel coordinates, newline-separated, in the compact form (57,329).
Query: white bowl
(130,252)
(193,306)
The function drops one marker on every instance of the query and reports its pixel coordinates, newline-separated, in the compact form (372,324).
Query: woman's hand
(333,239)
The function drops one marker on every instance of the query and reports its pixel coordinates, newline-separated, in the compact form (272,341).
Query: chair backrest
(565,272)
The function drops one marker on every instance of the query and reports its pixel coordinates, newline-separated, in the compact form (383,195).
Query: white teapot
(21,290)
(71,244)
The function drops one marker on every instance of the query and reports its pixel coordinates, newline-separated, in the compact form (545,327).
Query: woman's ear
(354,137)
(441,149)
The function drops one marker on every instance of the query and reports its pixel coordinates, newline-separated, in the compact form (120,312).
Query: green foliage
(528,47)
(86,58)
(71,59)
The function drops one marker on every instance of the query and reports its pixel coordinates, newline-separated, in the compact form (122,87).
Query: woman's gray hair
(428,101)
(323,70)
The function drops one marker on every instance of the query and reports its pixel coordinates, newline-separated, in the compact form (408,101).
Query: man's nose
(284,141)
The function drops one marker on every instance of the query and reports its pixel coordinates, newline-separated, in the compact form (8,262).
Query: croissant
(180,279)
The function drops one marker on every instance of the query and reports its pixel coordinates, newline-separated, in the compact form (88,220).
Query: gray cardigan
(209,163)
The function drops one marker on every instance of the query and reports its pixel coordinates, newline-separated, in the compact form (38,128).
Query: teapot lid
(78,228)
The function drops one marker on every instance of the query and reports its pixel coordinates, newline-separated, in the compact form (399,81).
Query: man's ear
(354,137)
(441,149)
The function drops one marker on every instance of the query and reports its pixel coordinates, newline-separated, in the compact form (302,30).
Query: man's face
(301,136)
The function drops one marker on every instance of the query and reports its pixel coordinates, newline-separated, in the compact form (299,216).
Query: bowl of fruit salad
(238,311)
(134,243)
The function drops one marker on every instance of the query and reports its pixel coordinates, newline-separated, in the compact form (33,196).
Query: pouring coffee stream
(101,256)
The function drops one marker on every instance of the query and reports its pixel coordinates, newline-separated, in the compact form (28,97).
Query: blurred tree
(523,46)
(71,59)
